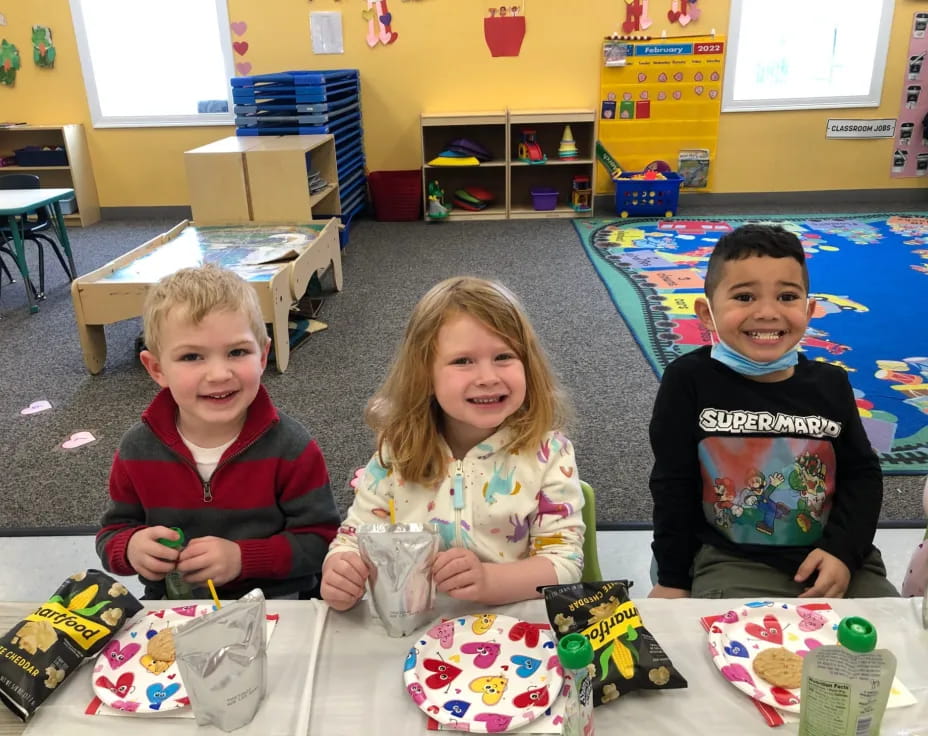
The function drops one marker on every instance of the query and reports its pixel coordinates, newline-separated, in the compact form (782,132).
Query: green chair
(591,570)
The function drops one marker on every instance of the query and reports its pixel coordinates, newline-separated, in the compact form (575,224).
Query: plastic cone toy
(568,147)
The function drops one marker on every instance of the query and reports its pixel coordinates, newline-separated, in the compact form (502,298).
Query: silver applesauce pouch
(222,658)
(400,558)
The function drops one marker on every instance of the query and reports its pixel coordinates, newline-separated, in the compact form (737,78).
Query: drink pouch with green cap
(576,655)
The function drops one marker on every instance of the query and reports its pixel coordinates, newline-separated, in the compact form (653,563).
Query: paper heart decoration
(693,11)
(685,19)
(642,76)
(714,76)
(35,407)
(662,77)
(771,630)
(239,27)
(737,673)
(736,649)
(673,15)
(644,95)
(368,14)
(784,696)
(678,76)
(386,18)
(243,68)
(627,96)
(117,656)
(444,675)
(713,93)
(241,47)
(698,76)
(699,89)
(78,439)
(662,95)
(677,94)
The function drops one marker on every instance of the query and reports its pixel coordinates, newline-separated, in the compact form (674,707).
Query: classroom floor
(35,566)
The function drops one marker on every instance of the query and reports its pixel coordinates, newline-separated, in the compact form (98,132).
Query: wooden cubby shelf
(77,175)
(508,178)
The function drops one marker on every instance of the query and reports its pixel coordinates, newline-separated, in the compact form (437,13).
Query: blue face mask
(744,365)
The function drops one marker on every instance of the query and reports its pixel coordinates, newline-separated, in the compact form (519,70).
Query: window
(155,64)
(796,54)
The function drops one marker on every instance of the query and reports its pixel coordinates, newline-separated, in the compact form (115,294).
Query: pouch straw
(222,658)
(400,559)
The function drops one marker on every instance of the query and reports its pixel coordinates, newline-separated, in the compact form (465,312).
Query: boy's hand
(343,578)
(148,557)
(459,573)
(210,557)
(833,575)
(662,591)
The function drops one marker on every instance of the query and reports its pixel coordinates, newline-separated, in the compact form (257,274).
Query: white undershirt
(206,458)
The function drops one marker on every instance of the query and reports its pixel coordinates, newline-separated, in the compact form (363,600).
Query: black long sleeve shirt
(768,471)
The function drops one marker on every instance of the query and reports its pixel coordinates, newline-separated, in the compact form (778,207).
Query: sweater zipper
(457,499)
(207,484)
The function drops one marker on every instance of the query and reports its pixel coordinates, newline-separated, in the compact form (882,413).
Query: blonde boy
(212,455)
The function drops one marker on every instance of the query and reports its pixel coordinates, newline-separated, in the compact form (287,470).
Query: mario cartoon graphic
(757,494)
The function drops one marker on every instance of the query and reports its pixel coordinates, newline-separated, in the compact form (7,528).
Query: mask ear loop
(712,333)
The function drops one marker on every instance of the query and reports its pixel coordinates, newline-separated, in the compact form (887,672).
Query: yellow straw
(392,511)
(212,591)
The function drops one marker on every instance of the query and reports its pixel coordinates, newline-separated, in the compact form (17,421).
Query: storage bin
(397,195)
(68,206)
(639,197)
(38,156)
(544,198)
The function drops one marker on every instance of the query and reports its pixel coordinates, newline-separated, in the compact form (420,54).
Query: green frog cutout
(9,63)
(43,51)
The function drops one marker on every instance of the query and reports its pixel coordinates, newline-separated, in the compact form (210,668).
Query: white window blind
(155,64)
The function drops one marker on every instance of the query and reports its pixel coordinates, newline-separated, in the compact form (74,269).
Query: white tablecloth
(358,686)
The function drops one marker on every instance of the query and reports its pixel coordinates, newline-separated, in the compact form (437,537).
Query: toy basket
(397,195)
(640,197)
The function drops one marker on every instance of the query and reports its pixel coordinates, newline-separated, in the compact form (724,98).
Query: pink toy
(916,576)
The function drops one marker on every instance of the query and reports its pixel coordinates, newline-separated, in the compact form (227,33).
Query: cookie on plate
(161,646)
(779,667)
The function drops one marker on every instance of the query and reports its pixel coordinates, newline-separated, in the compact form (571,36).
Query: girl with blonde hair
(468,425)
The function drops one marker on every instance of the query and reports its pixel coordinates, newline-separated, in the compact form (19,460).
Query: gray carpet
(387,267)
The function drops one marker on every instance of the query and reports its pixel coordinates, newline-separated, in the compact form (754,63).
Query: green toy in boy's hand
(176,587)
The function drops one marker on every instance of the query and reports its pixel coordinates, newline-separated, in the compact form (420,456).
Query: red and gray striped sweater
(269,493)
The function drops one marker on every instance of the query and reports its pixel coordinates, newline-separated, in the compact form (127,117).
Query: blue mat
(869,274)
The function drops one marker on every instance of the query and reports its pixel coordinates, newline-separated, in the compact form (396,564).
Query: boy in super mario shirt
(212,455)
(764,482)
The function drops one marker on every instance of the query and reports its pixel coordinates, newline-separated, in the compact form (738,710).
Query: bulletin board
(910,155)
(660,97)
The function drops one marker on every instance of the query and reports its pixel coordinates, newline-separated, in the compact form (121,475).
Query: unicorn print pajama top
(503,506)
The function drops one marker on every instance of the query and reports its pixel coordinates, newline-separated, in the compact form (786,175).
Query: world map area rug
(869,277)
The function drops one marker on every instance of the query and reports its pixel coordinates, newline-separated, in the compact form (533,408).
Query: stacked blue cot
(310,103)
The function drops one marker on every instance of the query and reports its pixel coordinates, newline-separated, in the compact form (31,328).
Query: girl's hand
(460,574)
(212,558)
(148,557)
(343,578)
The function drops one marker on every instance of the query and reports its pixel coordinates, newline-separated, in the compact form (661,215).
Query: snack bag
(40,651)
(626,656)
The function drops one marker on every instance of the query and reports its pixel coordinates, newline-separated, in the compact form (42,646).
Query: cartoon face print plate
(738,636)
(127,678)
(484,673)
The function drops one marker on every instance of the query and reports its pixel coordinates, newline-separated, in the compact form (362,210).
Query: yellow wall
(440,62)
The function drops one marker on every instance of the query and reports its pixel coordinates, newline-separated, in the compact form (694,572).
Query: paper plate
(126,678)
(484,673)
(737,637)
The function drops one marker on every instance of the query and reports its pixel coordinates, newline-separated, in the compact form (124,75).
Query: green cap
(575,651)
(857,634)
(174,543)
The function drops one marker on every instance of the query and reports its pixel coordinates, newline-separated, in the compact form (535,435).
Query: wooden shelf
(509,179)
(77,175)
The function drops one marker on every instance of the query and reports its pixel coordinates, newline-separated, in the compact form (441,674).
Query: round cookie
(780,667)
(161,646)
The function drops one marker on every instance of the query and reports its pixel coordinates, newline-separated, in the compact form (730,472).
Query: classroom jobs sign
(885,128)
